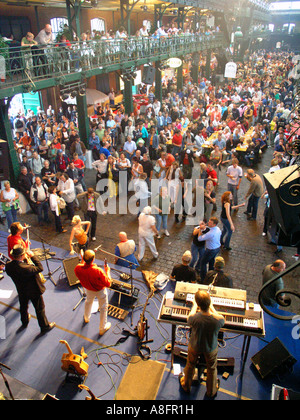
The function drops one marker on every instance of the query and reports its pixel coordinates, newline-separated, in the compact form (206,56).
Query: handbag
(61,203)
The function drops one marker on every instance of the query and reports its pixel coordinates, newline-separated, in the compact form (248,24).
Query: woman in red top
(95,281)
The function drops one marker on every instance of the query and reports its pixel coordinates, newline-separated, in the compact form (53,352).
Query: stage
(35,359)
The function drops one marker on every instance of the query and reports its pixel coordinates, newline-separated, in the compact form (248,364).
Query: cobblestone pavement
(249,255)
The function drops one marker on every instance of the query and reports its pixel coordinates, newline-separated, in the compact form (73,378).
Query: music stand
(83,297)
(130,267)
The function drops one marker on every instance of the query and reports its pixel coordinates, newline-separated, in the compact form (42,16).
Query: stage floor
(35,360)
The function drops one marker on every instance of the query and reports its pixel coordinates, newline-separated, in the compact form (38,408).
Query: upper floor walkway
(38,67)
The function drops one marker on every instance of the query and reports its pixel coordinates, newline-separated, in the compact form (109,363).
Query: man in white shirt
(66,190)
(39,196)
(45,36)
(234,174)
(147,230)
(129,148)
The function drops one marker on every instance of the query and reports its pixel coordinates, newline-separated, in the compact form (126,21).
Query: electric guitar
(142,323)
(73,363)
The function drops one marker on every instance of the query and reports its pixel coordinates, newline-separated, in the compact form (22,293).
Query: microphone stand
(50,273)
(5,380)
(130,267)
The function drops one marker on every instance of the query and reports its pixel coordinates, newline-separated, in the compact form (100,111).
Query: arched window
(57,25)
(97,24)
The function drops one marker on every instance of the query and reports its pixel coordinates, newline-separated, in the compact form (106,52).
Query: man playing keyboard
(205,323)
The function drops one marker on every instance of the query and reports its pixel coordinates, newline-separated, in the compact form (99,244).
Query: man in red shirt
(176,142)
(95,281)
(15,238)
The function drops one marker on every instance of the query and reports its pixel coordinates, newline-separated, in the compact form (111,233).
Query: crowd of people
(198,128)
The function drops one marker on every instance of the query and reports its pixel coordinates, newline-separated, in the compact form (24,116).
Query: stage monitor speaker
(271,358)
(283,187)
(148,75)
(4,161)
(69,266)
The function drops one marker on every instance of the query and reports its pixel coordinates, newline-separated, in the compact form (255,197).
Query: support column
(158,86)
(6,134)
(83,120)
(207,67)
(76,6)
(128,96)
(195,67)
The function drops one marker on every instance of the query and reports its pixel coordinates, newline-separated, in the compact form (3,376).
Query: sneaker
(264,234)
(106,328)
(94,238)
(167,233)
(158,236)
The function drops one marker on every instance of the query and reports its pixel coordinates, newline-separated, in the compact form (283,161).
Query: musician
(16,230)
(222,279)
(269,272)
(95,281)
(183,272)
(126,249)
(25,275)
(205,323)
(80,233)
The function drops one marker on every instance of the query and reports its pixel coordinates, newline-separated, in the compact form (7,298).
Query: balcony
(32,69)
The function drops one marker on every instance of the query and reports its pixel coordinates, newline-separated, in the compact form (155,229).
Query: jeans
(253,206)
(197,254)
(208,258)
(91,216)
(42,208)
(234,192)
(227,231)
(161,218)
(58,226)
(11,216)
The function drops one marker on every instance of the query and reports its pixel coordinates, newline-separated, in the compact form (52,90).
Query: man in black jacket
(25,183)
(26,277)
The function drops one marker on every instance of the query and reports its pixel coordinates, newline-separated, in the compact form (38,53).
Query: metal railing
(26,65)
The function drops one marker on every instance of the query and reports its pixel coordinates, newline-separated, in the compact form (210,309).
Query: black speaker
(4,161)
(283,187)
(69,266)
(148,75)
(272,357)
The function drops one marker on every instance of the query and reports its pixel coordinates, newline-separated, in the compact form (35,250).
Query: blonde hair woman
(79,233)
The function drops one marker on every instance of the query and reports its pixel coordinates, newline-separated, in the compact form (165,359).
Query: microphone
(97,249)
(27,227)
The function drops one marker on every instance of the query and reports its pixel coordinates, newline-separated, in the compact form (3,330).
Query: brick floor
(250,251)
